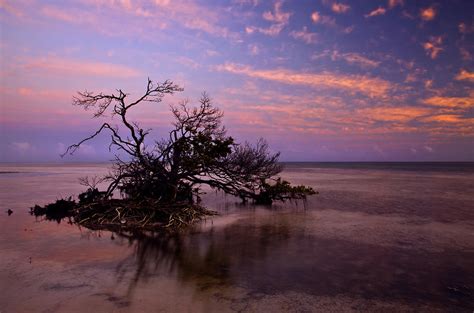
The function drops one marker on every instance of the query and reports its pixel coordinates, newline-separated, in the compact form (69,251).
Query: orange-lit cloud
(80,67)
(449,118)
(451,102)
(394,3)
(378,11)
(372,87)
(395,114)
(433,46)
(304,35)
(428,14)
(340,8)
(465,75)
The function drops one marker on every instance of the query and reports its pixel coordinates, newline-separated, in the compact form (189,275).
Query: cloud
(164,14)
(429,149)
(451,102)
(371,87)
(86,150)
(162,3)
(63,15)
(188,62)
(11,8)
(278,18)
(394,3)
(449,118)
(349,57)
(340,8)
(253,49)
(304,35)
(465,29)
(49,94)
(433,46)
(253,3)
(394,114)
(378,11)
(317,18)
(428,83)
(211,53)
(465,54)
(355,58)
(22,147)
(428,14)
(465,75)
(81,67)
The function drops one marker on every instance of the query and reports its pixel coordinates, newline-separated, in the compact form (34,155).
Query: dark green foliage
(91,195)
(281,191)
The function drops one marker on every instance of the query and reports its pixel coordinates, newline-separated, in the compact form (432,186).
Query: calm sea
(379,237)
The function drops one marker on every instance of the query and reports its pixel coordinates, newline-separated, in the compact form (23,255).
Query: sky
(321,80)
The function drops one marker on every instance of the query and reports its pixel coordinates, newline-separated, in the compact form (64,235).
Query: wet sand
(372,241)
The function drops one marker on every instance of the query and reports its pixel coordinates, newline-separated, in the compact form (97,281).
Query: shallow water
(391,238)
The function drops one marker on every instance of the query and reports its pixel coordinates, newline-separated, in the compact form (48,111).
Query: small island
(159,181)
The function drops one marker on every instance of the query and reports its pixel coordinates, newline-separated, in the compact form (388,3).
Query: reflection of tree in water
(214,257)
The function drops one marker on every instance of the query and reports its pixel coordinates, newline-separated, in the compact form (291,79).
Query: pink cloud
(11,8)
(317,18)
(394,3)
(376,12)
(60,14)
(278,18)
(372,87)
(81,67)
(304,35)
(340,8)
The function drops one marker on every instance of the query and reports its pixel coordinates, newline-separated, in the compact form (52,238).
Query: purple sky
(320,80)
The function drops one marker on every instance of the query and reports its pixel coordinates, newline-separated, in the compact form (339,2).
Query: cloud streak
(371,87)
(465,75)
(376,12)
(451,102)
(64,66)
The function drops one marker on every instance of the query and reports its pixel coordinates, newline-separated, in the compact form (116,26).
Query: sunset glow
(320,80)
